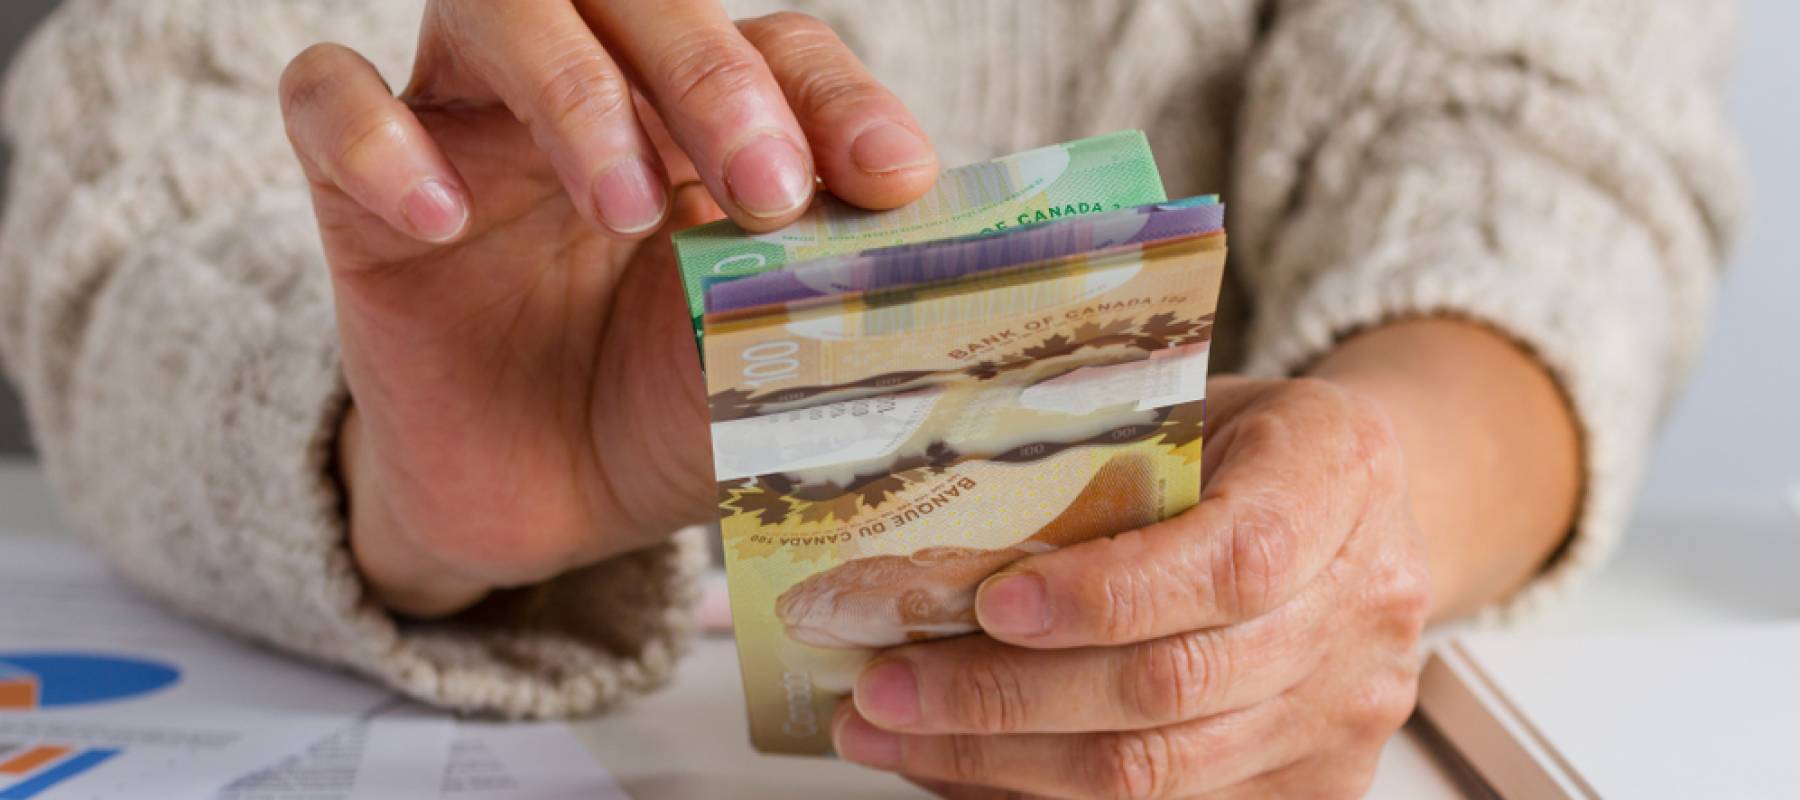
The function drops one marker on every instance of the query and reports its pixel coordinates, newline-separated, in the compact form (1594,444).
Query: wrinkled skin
(1264,644)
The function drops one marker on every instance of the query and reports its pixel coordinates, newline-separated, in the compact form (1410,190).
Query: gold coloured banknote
(880,452)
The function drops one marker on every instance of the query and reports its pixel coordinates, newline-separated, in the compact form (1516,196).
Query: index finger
(1297,476)
(870,150)
(721,103)
(545,64)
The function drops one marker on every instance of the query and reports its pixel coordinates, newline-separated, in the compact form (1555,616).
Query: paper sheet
(424,755)
(399,754)
(524,761)
(102,694)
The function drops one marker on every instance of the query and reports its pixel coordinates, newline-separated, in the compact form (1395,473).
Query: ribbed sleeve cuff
(569,647)
(1601,336)
(572,646)
(229,367)
(1558,171)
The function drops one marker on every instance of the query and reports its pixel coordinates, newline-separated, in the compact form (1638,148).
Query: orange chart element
(32,759)
(18,691)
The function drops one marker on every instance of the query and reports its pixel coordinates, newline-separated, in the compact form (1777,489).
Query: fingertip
(630,198)
(869,149)
(889,147)
(435,210)
(1013,606)
(886,165)
(887,694)
(858,741)
(769,179)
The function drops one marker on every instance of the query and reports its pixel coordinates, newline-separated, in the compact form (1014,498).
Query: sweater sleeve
(165,309)
(1559,170)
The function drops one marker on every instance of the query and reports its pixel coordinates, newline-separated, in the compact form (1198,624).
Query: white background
(1736,432)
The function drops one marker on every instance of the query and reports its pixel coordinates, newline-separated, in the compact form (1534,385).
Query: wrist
(1492,450)
(399,574)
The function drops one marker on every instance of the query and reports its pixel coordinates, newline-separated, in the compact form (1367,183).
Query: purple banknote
(946,259)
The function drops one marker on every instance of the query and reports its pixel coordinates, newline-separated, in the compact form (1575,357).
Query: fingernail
(435,211)
(859,742)
(1014,605)
(768,177)
(888,693)
(630,197)
(889,147)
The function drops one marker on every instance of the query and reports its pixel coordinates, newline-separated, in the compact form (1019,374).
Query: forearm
(1493,454)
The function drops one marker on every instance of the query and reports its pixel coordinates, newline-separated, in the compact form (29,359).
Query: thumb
(374,169)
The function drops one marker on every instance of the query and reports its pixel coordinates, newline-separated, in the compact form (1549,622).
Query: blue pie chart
(31,681)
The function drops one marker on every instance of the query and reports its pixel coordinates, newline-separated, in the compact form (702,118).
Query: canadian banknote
(949,259)
(882,450)
(1101,173)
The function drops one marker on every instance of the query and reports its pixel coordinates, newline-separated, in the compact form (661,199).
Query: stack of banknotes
(905,402)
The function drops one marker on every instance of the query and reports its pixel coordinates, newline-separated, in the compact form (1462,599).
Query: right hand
(526,398)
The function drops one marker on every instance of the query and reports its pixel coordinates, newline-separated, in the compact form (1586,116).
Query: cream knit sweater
(1558,169)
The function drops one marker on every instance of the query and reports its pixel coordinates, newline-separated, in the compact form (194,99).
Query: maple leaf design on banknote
(766,499)
(824,502)
(1184,425)
(1201,333)
(1165,330)
(1089,334)
(731,404)
(1117,331)
(843,508)
(991,369)
(1058,345)
(877,491)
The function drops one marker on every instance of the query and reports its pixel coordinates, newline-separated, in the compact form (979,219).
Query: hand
(1263,644)
(526,395)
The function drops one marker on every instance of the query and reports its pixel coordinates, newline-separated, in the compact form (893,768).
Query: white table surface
(1728,560)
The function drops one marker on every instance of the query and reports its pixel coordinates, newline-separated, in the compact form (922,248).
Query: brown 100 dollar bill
(879,454)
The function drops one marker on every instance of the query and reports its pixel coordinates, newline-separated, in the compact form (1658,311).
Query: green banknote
(1102,173)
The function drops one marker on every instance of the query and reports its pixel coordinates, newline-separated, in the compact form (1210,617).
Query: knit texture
(1557,169)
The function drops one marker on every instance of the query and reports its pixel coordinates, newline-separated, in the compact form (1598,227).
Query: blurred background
(1736,433)
(16,20)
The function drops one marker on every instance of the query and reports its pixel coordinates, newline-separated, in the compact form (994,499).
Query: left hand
(1263,644)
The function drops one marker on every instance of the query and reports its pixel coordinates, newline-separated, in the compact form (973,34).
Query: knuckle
(1133,765)
(965,759)
(1123,606)
(1255,562)
(1313,388)
(1380,708)
(1266,432)
(785,26)
(1176,679)
(987,696)
(1370,437)
(310,78)
(1406,598)
(1374,442)
(822,77)
(824,93)
(707,67)
(366,140)
(582,89)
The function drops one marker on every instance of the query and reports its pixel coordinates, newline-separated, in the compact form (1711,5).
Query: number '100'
(770,361)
